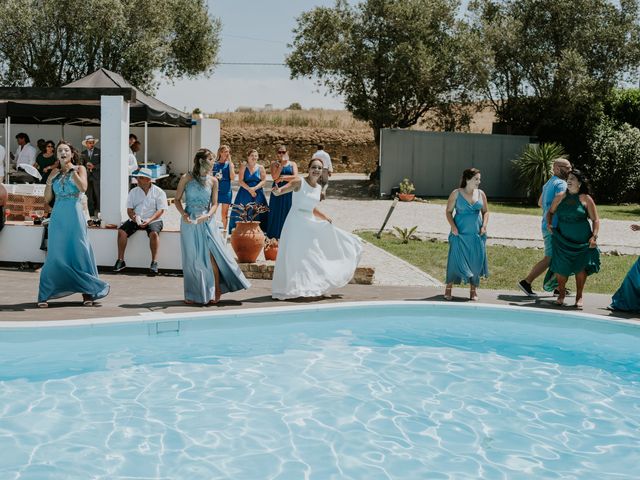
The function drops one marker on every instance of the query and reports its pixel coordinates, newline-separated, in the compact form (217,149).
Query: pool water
(355,392)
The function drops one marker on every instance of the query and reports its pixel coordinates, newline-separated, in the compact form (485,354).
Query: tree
(47,43)
(391,60)
(551,62)
(294,106)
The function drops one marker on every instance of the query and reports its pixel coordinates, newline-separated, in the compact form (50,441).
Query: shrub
(535,166)
(407,234)
(623,106)
(294,106)
(614,164)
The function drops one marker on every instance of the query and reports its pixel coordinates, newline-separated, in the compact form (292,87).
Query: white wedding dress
(313,255)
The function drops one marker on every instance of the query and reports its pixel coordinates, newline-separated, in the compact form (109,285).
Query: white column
(206,135)
(114,141)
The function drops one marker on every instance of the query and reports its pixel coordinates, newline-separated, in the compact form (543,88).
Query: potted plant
(247,238)
(270,248)
(406,191)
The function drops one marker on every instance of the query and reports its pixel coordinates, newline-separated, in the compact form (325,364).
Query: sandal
(188,302)
(43,305)
(473,294)
(579,305)
(447,293)
(559,301)
(87,303)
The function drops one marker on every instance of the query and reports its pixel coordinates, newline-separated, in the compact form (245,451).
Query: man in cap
(146,204)
(555,185)
(90,158)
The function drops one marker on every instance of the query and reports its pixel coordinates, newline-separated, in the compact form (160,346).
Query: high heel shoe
(473,294)
(447,293)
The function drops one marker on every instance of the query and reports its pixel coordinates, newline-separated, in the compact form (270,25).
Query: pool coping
(152,317)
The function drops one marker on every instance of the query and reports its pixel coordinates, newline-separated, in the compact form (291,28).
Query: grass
(507,265)
(314,118)
(630,212)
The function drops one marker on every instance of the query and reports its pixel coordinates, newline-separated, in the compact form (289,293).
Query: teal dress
(467,260)
(279,206)
(199,243)
(70,266)
(627,298)
(571,251)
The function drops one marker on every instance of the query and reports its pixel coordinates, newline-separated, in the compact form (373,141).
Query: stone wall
(263,270)
(352,151)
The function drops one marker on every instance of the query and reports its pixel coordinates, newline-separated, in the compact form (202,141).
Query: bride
(313,255)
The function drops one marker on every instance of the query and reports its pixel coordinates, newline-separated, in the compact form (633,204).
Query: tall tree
(46,43)
(391,60)
(552,62)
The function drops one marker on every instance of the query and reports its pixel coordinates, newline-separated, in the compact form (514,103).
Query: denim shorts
(548,243)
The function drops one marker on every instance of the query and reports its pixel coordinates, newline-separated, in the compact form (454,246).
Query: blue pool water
(359,392)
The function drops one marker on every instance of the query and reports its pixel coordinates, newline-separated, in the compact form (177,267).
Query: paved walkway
(133,295)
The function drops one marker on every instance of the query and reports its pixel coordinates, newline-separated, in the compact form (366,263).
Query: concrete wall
(434,161)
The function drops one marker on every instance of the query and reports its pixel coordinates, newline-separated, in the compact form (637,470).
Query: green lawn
(629,212)
(507,265)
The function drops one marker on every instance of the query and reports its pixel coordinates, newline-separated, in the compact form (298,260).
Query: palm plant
(535,166)
(248,212)
(406,234)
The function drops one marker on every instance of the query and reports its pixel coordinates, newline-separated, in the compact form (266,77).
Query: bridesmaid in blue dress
(252,178)
(70,266)
(283,171)
(467,260)
(627,298)
(208,267)
(225,172)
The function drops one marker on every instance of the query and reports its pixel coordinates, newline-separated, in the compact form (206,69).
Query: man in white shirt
(146,204)
(327,169)
(25,153)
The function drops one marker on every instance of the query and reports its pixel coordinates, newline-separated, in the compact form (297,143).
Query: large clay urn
(247,241)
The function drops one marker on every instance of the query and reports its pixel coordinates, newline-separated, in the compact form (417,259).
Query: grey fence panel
(434,161)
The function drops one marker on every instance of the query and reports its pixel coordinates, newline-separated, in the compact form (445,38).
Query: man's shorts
(130,227)
(548,243)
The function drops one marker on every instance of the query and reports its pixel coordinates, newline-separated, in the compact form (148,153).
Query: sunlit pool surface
(349,392)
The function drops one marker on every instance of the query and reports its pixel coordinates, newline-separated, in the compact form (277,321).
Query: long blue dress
(222,173)
(200,242)
(279,207)
(627,298)
(243,197)
(467,260)
(70,266)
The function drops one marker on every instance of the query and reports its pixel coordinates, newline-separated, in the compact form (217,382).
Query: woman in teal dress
(627,298)
(70,266)
(467,260)
(283,171)
(208,267)
(252,178)
(575,251)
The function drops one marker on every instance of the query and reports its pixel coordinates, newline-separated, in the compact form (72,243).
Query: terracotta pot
(270,253)
(406,197)
(247,241)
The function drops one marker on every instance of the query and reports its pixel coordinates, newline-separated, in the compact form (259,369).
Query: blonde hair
(221,149)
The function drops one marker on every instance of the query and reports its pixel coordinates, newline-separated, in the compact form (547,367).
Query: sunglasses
(282,152)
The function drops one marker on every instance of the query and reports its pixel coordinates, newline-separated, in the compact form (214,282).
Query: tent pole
(7,155)
(145,143)
(61,133)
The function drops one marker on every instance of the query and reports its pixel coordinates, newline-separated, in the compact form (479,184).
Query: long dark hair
(467,175)
(585,188)
(202,155)
(75,154)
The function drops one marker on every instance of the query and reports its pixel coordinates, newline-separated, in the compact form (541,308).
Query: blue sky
(252,31)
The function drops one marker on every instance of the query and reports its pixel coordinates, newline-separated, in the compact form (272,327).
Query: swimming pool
(365,391)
